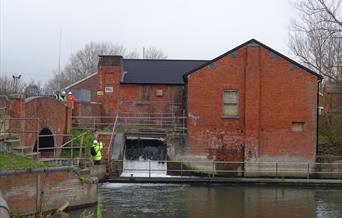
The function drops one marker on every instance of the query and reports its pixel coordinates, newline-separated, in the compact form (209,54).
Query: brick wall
(273,93)
(89,84)
(171,100)
(52,114)
(30,192)
(109,75)
(92,110)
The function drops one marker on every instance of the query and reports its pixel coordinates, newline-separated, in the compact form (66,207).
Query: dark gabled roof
(148,71)
(253,41)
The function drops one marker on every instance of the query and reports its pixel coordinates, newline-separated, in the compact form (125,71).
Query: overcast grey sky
(184,29)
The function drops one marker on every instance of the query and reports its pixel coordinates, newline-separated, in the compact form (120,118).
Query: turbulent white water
(144,168)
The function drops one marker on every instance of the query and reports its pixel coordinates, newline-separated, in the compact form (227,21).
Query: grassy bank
(87,142)
(10,161)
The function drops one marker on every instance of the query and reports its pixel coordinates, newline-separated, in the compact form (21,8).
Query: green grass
(12,161)
(86,177)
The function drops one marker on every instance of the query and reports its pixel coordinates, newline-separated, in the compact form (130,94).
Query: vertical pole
(183,122)
(126,124)
(308,171)
(72,150)
(181,169)
(149,168)
(81,144)
(213,170)
(37,135)
(276,169)
(94,127)
(339,170)
(54,151)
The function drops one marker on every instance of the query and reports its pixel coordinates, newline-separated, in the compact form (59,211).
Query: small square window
(159,92)
(298,126)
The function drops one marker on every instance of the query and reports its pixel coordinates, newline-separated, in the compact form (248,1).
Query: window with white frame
(230,103)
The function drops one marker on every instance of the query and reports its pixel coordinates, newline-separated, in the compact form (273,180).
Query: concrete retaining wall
(38,190)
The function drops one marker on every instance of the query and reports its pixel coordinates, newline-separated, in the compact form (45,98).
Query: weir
(144,157)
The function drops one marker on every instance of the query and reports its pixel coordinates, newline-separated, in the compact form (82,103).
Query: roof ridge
(79,81)
(261,44)
(137,59)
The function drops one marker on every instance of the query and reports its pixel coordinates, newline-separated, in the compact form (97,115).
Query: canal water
(167,200)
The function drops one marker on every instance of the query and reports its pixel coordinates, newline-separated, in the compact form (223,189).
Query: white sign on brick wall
(108,89)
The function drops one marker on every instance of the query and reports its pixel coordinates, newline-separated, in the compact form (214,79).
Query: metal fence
(308,170)
(129,121)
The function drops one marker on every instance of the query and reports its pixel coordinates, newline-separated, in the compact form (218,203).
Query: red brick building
(254,103)
(251,103)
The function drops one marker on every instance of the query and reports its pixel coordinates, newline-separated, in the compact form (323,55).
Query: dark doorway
(46,141)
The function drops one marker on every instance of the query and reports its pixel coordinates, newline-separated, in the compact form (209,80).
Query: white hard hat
(95,141)
(63,92)
(69,93)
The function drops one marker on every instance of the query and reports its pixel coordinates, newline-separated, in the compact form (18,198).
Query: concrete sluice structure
(144,156)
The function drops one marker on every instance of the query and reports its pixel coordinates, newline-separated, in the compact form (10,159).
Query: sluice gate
(144,157)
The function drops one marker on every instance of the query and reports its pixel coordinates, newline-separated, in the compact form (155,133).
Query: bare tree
(154,53)
(84,62)
(316,38)
(11,85)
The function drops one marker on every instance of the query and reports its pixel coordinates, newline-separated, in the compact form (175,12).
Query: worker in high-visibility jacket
(98,146)
(71,99)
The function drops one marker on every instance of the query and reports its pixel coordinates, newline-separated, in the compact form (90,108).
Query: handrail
(111,138)
(72,139)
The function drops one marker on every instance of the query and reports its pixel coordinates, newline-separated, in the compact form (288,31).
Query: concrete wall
(273,93)
(28,192)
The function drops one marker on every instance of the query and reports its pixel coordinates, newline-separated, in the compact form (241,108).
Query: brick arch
(46,142)
(52,114)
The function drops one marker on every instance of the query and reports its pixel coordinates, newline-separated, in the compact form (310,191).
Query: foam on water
(144,168)
(123,185)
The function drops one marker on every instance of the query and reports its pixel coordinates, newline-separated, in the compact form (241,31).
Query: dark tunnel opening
(46,141)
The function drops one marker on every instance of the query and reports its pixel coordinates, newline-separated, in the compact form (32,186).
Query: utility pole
(59,51)
(16,80)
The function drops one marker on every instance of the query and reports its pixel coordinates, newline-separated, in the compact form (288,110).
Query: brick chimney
(109,70)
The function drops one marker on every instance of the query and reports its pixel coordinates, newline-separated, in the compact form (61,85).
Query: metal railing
(308,170)
(127,121)
(20,127)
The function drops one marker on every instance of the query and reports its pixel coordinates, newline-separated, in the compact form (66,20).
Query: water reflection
(161,200)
